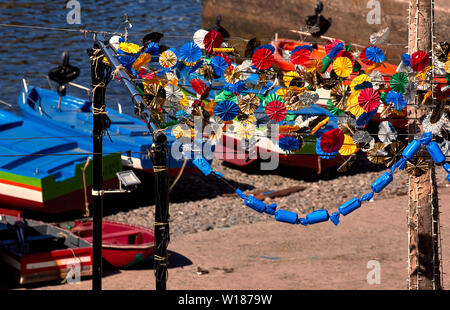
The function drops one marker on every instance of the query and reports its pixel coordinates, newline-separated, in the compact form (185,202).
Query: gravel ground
(200,203)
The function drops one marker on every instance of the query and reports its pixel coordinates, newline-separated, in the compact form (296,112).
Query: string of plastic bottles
(348,207)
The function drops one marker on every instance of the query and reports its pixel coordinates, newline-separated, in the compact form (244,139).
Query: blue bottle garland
(348,207)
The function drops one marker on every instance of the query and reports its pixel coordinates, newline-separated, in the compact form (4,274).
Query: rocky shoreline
(200,203)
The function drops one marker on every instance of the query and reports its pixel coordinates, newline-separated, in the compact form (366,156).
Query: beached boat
(229,148)
(45,172)
(38,252)
(268,150)
(130,136)
(123,245)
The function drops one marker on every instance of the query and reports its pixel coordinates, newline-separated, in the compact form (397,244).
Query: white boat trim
(21,192)
(59,262)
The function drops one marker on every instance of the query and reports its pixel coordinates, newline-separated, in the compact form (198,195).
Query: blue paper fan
(375,54)
(289,143)
(297,48)
(406,58)
(127,61)
(226,110)
(237,87)
(152,49)
(396,99)
(336,50)
(195,67)
(219,65)
(190,52)
(268,46)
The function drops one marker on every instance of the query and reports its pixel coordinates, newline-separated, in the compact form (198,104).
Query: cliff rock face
(264,18)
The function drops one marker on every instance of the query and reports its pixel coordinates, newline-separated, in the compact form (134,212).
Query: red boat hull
(123,245)
(305,161)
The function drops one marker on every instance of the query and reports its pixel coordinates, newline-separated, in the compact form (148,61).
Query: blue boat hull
(130,136)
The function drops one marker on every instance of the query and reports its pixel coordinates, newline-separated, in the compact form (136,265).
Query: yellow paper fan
(281,91)
(318,126)
(314,65)
(343,66)
(359,80)
(349,147)
(129,47)
(353,104)
(289,76)
(184,101)
(143,59)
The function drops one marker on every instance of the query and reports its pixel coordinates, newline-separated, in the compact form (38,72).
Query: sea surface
(32,53)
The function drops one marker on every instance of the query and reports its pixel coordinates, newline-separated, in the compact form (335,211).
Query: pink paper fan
(263,59)
(276,110)
(369,99)
(301,57)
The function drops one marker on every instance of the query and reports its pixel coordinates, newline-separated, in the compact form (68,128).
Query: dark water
(32,53)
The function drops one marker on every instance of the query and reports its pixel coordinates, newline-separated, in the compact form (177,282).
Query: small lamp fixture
(128,179)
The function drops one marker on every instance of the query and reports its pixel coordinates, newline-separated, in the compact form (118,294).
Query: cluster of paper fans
(328,101)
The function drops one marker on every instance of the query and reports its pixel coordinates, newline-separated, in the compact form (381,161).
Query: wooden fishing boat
(229,148)
(130,136)
(231,151)
(123,245)
(38,252)
(44,172)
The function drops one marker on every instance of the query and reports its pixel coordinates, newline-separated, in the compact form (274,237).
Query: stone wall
(263,18)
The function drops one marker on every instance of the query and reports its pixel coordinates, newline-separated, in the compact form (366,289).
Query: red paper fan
(301,57)
(346,54)
(332,140)
(276,110)
(263,58)
(213,39)
(364,58)
(419,60)
(198,86)
(369,99)
(330,44)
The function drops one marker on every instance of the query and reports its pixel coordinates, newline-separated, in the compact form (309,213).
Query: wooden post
(423,212)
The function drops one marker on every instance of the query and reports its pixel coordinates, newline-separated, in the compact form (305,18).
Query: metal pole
(158,154)
(99,89)
(125,80)
(423,213)
(162,238)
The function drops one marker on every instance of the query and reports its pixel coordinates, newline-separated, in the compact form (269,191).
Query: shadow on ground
(176,260)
